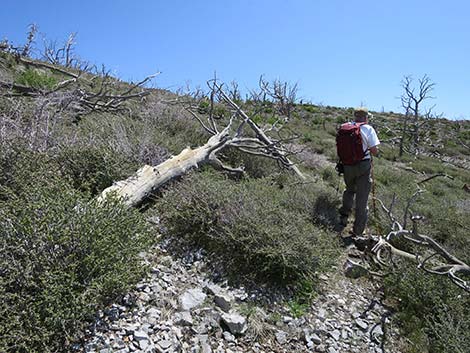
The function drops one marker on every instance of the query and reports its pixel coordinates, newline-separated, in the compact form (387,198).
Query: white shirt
(369,139)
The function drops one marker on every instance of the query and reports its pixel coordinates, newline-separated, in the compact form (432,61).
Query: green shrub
(307,137)
(35,79)
(92,169)
(260,230)
(254,166)
(434,311)
(310,108)
(62,257)
(21,169)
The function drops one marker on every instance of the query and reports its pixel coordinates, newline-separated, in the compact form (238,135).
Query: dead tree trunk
(147,179)
(138,187)
(434,259)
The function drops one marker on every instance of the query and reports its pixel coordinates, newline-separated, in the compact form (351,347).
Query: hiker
(357,168)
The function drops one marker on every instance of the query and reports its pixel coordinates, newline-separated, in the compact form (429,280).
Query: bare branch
(452,268)
(411,200)
(209,130)
(217,163)
(435,176)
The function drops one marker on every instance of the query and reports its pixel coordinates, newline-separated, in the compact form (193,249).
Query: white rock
(228,336)
(206,348)
(235,322)
(354,270)
(183,318)
(287,319)
(165,344)
(131,328)
(335,334)
(355,315)
(321,314)
(361,323)
(191,298)
(377,332)
(153,312)
(315,338)
(140,335)
(281,337)
(213,289)
(223,301)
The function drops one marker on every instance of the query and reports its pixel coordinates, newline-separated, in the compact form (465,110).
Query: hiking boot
(341,223)
(343,220)
(353,234)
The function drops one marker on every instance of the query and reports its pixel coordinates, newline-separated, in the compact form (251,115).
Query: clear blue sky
(340,52)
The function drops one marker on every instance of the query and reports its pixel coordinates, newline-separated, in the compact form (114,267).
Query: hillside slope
(64,139)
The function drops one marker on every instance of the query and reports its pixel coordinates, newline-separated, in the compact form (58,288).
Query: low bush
(434,312)
(34,78)
(62,256)
(254,166)
(92,169)
(260,230)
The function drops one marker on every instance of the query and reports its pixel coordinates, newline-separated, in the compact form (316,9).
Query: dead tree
(239,132)
(98,93)
(281,92)
(30,40)
(411,101)
(434,259)
(60,55)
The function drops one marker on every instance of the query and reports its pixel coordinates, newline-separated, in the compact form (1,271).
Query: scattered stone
(131,328)
(213,289)
(223,301)
(354,270)
(206,348)
(287,319)
(335,334)
(362,324)
(154,313)
(281,337)
(165,344)
(355,315)
(315,338)
(183,318)
(138,335)
(191,298)
(321,314)
(235,322)
(377,333)
(112,313)
(228,336)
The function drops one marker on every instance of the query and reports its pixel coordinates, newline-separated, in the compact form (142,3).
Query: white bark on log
(147,179)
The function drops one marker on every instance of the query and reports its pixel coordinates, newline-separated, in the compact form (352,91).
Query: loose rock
(235,322)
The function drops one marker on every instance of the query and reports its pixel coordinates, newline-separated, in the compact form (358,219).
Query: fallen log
(135,189)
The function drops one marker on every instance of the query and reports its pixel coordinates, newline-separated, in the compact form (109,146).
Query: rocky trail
(182,307)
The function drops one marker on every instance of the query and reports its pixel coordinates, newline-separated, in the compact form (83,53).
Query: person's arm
(374,142)
(374,150)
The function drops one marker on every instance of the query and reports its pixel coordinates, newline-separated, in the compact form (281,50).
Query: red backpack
(349,143)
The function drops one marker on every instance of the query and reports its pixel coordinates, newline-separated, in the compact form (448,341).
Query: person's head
(361,114)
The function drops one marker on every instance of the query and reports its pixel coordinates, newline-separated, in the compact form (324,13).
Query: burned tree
(433,258)
(415,117)
(239,132)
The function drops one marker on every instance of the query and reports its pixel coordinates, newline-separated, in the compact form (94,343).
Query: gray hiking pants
(358,183)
